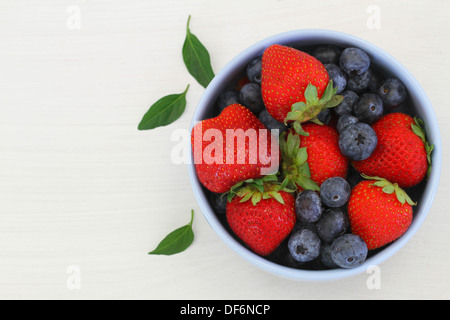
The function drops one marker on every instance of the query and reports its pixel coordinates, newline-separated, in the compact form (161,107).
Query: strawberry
(379,211)
(295,86)
(310,160)
(402,154)
(261,213)
(219,163)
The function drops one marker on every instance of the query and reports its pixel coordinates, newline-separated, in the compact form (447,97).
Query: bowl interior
(417,104)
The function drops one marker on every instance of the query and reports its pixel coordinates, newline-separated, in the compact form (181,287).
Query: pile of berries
(346,154)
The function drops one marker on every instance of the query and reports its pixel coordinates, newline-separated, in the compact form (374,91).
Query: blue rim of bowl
(425,111)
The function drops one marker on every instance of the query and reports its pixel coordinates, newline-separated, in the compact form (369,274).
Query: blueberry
(354,61)
(346,106)
(368,108)
(327,54)
(270,122)
(349,251)
(357,141)
(227,98)
(335,192)
(338,76)
(218,202)
(333,224)
(325,257)
(254,70)
(299,225)
(304,245)
(359,82)
(308,206)
(344,121)
(324,116)
(251,97)
(392,92)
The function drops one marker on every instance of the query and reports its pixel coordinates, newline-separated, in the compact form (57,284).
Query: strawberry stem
(390,188)
(309,110)
(294,166)
(418,127)
(259,189)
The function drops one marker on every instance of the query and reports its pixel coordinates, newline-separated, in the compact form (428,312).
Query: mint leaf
(196,58)
(176,241)
(164,111)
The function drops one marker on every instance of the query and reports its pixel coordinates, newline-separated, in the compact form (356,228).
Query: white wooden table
(84,195)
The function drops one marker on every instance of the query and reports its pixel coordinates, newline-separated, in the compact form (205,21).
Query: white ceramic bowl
(381,60)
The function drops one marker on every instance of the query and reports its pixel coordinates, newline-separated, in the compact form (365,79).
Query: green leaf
(298,128)
(382,183)
(301,157)
(256,198)
(276,196)
(307,183)
(328,93)
(293,143)
(371,178)
(401,196)
(196,58)
(304,170)
(164,111)
(230,196)
(282,142)
(409,200)
(334,101)
(299,106)
(418,127)
(271,177)
(246,196)
(294,167)
(418,131)
(237,185)
(429,148)
(260,187)
(284,184)
(311,95)
(176,241)
(390,189)
(317,121)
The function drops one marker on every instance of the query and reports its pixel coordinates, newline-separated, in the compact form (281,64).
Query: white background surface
(81,187)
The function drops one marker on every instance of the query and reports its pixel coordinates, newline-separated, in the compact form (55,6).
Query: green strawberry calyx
(309,110)
(294,165)
(418,127)
(389,188)
(258,189)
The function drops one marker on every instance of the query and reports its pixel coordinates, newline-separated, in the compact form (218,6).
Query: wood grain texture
(81,186)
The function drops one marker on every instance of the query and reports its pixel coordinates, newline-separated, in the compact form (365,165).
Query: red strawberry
(379,211)
(220,165)
(261,214)
(402,154)
(316,156)
(296,84)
